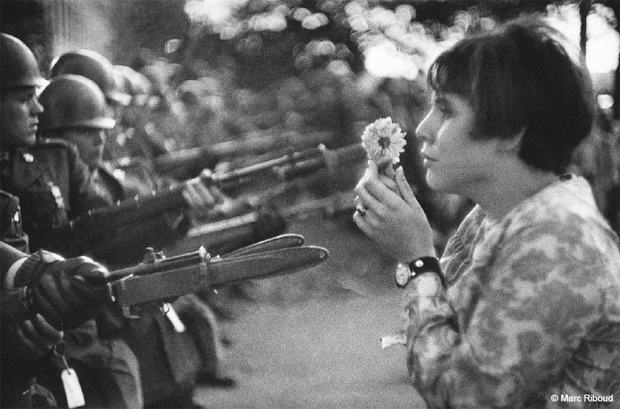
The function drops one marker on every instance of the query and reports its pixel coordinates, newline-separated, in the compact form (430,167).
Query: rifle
(78,235)
(190,162)
(227,234)
(160,279)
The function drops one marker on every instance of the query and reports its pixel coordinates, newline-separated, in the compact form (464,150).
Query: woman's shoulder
(565,211)
(558,236)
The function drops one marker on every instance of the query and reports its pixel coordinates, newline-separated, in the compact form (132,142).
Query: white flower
(383,141)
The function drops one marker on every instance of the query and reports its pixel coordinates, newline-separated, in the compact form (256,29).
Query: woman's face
(89,143)
(454,161)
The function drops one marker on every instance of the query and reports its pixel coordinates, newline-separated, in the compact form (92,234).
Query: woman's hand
(393,220)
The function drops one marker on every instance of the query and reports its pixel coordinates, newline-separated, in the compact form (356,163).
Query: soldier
(75,112)
(28,341)
(99,69)
(52,183)
(136,143)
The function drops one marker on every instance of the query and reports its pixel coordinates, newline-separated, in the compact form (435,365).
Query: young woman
(523,309)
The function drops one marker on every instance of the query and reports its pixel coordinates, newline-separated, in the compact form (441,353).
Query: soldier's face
(89,143)
(19,112)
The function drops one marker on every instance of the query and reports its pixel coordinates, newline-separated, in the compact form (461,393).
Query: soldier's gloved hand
(270,223)
(200,197)
(67,292)
(34,338)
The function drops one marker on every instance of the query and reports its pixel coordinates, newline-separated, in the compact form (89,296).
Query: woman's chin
(433,181)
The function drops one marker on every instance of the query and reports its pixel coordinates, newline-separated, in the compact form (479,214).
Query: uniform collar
(22,153)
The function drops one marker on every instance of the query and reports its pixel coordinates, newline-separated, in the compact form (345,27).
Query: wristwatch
(407,272)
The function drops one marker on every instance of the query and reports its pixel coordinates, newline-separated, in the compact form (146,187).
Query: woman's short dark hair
(522,77)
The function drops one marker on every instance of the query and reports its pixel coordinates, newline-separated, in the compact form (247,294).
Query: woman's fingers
(404,188)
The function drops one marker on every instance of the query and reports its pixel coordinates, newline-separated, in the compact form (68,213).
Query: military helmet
(73,101)
(18,66)
(136,84)
(94,66)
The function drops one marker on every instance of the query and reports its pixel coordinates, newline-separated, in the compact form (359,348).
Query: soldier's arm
(28,339)
(10,262)
(84,194)
(11,222)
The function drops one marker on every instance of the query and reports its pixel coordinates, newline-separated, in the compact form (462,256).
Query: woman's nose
(425,130)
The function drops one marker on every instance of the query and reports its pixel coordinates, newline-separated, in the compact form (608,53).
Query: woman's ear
(511,144)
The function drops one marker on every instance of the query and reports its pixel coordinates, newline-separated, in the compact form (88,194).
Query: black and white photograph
(310,204)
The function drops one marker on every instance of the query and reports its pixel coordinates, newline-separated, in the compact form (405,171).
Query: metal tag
(73,390)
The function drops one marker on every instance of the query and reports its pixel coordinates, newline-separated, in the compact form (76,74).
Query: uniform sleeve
(528,312)
(11,222)
(9,256)
(84,192)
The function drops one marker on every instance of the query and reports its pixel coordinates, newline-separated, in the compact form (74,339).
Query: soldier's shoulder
(51,143)
(52,148)
(135,163)
(7,196)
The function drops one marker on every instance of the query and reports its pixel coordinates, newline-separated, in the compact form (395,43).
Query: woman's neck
(511,185)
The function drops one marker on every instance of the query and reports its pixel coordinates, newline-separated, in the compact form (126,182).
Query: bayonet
(170,278)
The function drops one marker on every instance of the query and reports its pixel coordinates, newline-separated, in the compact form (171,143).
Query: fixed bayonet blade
(187,279)
(274,243)
(265,264)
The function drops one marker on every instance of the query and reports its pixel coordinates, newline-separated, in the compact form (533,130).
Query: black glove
(66,292)
(31,339)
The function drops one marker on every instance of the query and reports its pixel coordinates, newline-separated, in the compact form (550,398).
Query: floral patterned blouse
(531,316)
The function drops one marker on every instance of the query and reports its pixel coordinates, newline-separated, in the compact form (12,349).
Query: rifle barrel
(165,264)
(328,159)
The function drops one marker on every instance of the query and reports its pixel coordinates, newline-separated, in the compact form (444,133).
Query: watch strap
(407,272)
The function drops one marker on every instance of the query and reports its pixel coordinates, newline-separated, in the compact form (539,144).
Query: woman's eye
(444,111)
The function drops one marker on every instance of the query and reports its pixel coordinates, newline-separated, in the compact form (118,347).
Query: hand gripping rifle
(95,224)
(161,279)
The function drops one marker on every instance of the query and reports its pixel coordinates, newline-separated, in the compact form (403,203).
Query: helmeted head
(19,66)
(136,84)
(19,78)
(97,68)
(75,110)
(139,88)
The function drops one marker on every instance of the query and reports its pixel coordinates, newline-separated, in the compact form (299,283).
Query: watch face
(403,274)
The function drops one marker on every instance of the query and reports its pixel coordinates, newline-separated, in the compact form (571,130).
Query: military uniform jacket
(11,231)
(121,183)
(52,183)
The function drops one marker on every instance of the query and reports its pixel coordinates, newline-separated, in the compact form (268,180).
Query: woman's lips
(428,161)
